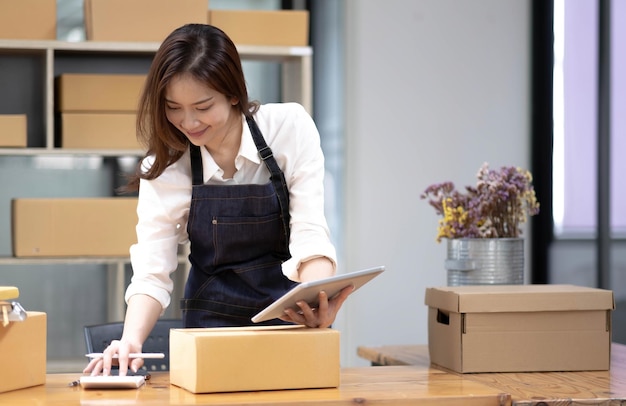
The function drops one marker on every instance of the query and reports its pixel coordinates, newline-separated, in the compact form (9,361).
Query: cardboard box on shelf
(254,358)
(99,131)
(28,19)
(13,130)
(79,92)
(519,328)
(73,226)
(263,27)
(23,349)
(116,20)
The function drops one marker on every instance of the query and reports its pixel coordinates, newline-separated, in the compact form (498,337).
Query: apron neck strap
(276,174)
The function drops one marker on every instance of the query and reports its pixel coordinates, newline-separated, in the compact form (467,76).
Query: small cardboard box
(13,130)
(23,352)
(519,328)
(73,226)
(28,19)
(99,131)
(263,27)
(78,92)
(139,20)
(254,358)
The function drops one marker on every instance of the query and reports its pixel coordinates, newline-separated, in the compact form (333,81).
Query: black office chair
(99,336)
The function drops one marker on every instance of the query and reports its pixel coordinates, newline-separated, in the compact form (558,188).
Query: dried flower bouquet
(495,208)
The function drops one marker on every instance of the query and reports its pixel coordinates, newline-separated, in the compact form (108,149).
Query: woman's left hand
(321,317)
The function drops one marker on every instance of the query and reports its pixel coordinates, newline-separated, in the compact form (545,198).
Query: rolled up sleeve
(162,210)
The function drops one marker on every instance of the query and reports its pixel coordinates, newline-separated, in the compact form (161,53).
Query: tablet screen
(309,291)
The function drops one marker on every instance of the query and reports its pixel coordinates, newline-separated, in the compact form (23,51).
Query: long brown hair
(209,55)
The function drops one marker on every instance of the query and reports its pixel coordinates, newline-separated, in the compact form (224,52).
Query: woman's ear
(234,101)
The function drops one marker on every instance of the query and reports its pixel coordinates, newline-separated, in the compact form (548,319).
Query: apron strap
(276,174)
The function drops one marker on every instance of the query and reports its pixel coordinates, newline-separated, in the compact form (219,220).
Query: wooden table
(390,385)
(536,388)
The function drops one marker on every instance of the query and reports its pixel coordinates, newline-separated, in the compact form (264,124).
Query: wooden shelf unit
(45,60)
(296,67)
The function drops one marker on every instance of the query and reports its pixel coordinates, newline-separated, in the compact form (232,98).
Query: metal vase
(485,261)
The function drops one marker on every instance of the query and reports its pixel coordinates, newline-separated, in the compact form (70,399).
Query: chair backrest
(99,336)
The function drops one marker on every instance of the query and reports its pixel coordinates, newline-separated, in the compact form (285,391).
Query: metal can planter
(485,261)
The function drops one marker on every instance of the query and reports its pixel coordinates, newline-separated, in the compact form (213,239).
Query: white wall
(434,89)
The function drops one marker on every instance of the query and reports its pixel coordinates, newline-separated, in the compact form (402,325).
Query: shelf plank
(70,152)
(245,51)
(72,260)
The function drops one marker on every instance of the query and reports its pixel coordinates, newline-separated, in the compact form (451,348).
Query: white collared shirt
(163,205)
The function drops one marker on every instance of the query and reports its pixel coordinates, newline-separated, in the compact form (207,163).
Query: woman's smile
(204,115)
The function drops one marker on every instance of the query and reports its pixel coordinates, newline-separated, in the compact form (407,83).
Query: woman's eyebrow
(193,104)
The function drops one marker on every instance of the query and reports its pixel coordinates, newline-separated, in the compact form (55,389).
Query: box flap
(518,298)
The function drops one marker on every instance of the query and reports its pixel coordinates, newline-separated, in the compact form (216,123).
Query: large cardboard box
(519,328)
(73,226)
(13,131)
(99,131)
(79,92)
(28,19)
(254,358)
(263,27)
(23,352)
(140,20)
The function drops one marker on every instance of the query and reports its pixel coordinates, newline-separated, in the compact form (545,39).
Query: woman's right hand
(115,354)
(141,316)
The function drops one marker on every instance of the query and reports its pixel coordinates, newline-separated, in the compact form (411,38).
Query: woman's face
(204,115)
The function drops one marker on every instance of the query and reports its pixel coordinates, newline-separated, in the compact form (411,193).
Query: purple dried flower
(495,208)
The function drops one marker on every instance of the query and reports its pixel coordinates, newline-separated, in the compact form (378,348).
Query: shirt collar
(247,150)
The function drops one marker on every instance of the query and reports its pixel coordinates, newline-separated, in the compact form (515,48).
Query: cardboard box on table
(519,328)
(13,131)
(263,27)
(28,19)
(73,226)
(254,358)
(139,20)
(22,348)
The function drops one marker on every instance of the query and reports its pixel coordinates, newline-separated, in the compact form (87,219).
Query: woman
(243,183)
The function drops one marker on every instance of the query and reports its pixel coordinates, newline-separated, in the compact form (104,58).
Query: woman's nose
(189,121)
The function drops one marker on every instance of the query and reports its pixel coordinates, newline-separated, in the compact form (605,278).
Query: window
(575,117)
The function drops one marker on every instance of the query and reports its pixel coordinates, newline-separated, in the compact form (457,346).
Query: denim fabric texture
(239,240)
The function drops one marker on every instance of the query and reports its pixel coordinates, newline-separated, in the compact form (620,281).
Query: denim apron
(239,238)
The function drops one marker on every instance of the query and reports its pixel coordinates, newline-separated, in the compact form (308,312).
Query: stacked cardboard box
(73,226)
(263,27)
(28,19)
(13,130)
(139,20)
(99,110)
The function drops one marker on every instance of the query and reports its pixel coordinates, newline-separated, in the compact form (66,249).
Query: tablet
(309,291)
